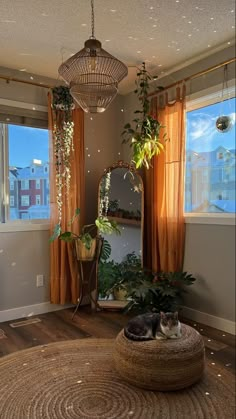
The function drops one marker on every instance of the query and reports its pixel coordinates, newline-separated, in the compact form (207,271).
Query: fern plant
(144,133)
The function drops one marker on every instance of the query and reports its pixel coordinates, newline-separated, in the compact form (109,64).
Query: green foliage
(61,98)
(102,224)
(113,205)
(106,277)
(106,251)
(107,226)
(145,291)
(144,136)
(124,274)
(160,292)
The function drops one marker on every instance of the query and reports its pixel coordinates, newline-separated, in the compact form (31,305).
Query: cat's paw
(173,337)
(159,336)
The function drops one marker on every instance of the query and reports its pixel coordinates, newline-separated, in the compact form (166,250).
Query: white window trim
(24,225)
(210,218)
(198,100)
(210,96)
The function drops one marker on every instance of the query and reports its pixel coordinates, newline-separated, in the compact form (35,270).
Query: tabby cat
(153,326)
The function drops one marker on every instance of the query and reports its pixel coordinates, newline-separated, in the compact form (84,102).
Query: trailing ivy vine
(63,132)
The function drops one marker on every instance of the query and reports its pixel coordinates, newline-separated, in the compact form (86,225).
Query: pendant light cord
(92,18)
(224,89)
(225,81)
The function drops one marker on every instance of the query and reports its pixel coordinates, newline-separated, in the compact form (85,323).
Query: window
(37,184)
(38,199)
(25,185)
(210,160)
(25,200)
(220,156)
(22,145)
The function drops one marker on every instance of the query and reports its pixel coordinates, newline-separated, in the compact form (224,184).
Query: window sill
(210,218)
(17,226)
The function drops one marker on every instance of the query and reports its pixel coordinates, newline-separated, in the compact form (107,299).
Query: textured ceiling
(37,35)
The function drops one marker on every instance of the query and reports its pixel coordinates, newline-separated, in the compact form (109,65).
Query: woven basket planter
(162,365)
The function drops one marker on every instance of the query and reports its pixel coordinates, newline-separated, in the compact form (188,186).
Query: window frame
(199,100)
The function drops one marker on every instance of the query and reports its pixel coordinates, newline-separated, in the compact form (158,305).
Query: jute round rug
(77,379)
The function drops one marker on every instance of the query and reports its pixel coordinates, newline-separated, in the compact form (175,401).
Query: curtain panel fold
(63,267)
(164,227)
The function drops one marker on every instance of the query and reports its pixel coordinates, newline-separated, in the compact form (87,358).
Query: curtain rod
(194,76)
(8,79)
(200,73)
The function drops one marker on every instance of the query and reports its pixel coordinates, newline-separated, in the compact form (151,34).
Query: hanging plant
(144,136)
(104,194)
(63,132)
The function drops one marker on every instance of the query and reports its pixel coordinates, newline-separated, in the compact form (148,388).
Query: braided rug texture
(77,379)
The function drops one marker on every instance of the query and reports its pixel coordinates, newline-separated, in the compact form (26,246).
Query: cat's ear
(162,313)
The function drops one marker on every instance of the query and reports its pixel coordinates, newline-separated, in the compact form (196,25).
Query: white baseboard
(209,320)
(28,311)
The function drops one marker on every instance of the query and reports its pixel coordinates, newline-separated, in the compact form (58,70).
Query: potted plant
(125,275)
(113,207)
(162,291)
(144,135)
(87,242)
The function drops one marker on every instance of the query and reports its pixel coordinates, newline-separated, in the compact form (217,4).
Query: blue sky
(26,144)
(202,134)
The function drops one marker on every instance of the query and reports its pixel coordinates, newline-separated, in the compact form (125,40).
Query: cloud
(201,126)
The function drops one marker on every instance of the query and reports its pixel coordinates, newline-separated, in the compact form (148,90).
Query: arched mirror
(120,198)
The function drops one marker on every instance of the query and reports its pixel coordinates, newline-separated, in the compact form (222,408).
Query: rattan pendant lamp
(93,74)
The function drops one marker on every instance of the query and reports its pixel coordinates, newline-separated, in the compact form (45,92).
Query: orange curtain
(63,268)
(164,227)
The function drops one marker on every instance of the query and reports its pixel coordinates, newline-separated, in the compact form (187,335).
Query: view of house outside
(210,160)
(29,193)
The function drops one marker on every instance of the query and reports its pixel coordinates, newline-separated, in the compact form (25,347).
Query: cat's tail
(131,336)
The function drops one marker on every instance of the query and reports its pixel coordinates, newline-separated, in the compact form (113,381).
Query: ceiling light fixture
(93,74)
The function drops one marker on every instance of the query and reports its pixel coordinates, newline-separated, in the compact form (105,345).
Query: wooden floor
(56,326)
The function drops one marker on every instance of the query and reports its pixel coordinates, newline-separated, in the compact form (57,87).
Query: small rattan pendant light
(93,74)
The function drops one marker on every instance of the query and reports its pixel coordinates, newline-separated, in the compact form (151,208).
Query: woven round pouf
(163,365)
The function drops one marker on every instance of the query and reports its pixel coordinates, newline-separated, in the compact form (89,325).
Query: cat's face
(169,320)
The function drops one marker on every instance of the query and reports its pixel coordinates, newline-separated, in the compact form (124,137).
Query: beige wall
(210,255)
(23,255)
(102,132)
